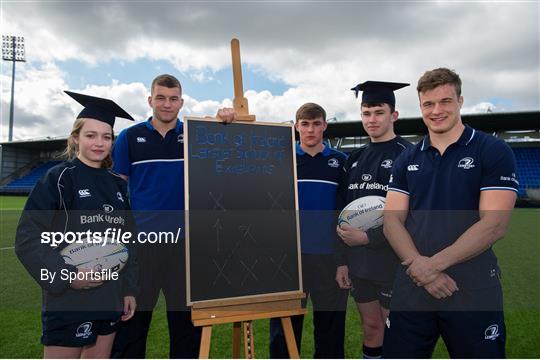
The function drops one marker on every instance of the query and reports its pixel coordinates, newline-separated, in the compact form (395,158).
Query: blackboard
(242,234)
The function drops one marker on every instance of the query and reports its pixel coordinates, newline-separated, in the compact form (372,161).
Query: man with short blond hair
(166,80)
(151,155)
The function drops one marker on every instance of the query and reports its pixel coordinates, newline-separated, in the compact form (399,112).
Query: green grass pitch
(518,253)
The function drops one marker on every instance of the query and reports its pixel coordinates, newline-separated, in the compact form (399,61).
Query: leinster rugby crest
(492,332)
(466,163)
(84,330)
(387,164)
(333,162)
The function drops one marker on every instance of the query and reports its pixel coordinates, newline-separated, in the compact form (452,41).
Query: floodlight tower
(12,50)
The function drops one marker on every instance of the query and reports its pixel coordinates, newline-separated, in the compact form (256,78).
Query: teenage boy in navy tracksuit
(318,169)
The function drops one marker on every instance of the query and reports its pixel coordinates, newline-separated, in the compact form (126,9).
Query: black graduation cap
(378,91)
(97,108)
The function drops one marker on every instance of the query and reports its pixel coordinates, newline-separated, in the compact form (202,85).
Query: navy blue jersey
(367,172)
(73,197)
(318,178)
(155,167)
(444,194)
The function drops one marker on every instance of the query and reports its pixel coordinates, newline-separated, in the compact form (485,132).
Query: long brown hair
(72,149)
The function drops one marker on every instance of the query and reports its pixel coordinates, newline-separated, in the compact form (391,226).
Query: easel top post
(240,103)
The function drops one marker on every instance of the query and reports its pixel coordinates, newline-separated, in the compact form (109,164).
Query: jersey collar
(326,151)
(466,137)
(178,128)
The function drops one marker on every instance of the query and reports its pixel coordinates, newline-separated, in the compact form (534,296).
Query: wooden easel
(245,310)
(240,103)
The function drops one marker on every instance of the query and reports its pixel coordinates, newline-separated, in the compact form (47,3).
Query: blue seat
(528,168)
(27,182)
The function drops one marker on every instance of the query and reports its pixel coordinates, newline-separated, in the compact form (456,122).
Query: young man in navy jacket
(366,262)
(318,168)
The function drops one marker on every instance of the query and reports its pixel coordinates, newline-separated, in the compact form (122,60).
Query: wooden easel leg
(289,337)
(204,350)
(237,332)
(249,351)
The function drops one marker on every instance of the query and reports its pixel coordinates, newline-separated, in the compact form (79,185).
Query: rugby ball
(96,256)
(363,213)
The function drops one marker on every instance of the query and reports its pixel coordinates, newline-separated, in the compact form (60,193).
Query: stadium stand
(22,163)
(527,159)
(25,183)
(528,168)
(520,130)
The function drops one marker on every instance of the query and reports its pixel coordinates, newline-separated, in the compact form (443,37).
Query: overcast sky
(292,52)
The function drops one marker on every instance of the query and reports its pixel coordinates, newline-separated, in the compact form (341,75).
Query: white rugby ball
(363,213)
(96,256)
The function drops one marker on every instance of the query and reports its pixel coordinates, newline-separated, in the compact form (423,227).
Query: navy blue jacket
(318,178)
(367,172)
(63,200)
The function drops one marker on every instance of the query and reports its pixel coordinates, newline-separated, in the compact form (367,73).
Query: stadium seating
(27,182)
(527,159)
(528,168)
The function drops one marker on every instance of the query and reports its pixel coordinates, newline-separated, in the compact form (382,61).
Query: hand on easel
(226,115)
(240,112)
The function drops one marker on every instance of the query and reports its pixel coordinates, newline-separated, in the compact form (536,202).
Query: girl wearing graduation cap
(80,316)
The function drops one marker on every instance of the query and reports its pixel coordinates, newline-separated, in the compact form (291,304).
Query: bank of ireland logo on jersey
(84,330)
(333,162)
(387,164)
(366,177)
(108,208)
(492,332)
(466,163)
